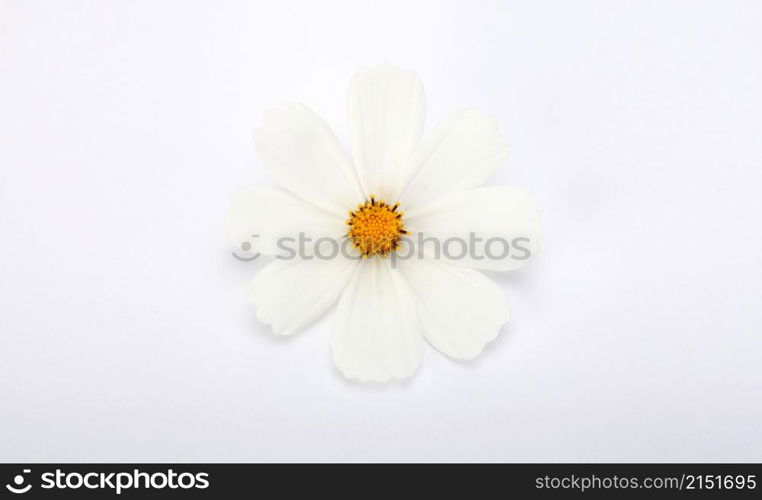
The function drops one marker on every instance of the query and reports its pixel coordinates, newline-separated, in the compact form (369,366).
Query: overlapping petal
(275,222)
(375,335)
(460,153)
(304,155)
(460,309)
(493,228)
(387,110)
(291,294)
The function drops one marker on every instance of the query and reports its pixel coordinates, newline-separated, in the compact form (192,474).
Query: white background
(125,336)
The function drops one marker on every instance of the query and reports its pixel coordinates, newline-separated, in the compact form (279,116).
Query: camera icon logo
(18,481)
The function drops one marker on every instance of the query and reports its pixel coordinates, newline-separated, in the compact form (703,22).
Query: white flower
(432,189)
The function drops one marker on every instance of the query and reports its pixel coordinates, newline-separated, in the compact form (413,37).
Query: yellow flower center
(375,227)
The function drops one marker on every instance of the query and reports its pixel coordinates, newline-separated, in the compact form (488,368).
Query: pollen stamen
(375,227)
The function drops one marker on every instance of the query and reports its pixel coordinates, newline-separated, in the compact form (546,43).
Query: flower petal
(495,228)
(460,309)
(304,155)
(263,216)
(461,153)
(291,294)
(387,109)
(374,335)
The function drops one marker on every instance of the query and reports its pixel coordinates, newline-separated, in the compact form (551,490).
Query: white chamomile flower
(395,235)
